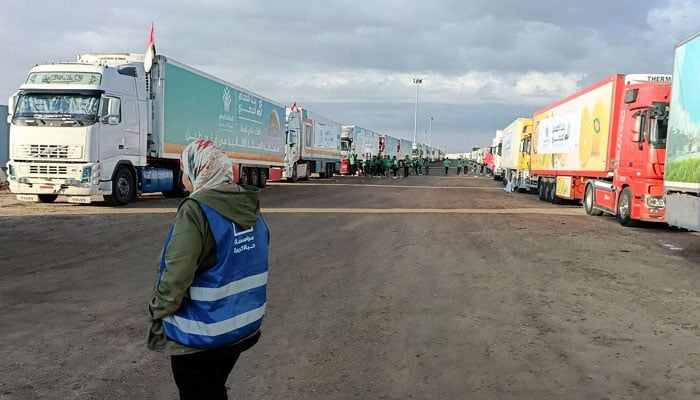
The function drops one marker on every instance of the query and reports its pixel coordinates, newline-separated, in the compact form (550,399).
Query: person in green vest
(373,166)
(406,166)
(353,161)
(387,166)
(363,163)
(447,165)
(394,165)
(426,162)
(459,166)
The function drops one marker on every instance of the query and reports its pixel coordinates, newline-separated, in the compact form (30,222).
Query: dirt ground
(430,287)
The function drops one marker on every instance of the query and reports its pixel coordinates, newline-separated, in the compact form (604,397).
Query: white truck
(103,126)
(682,166)
(514,155)
(312,145)
(497,149)
(4,144)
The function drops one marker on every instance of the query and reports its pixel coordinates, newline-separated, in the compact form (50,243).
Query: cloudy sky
(483,63)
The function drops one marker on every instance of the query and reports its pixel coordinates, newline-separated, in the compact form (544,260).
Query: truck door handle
(121,147)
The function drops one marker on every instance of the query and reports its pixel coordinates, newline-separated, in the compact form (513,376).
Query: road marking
(378,185)
(552,211)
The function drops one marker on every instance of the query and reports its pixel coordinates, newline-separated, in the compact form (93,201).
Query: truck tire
(589,201)
(122,188)
(541,190)
(295,177)
(47,198)
(624,208)
(262,178)
(253,177)
(243,176)
(548,192)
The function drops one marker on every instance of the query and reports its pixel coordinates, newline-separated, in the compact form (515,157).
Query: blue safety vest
(226,303)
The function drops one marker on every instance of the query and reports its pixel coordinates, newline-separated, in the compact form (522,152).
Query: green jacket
(192,250)
(446,163)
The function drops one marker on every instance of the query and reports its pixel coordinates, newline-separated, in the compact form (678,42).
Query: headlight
(656,202)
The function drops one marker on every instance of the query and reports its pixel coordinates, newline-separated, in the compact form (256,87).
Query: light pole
(430,129)
(417,81)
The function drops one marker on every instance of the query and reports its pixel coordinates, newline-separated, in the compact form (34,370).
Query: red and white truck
(605,145)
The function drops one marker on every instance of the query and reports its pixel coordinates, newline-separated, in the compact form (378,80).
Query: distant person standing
(426,161)
(394,165)
(406,166)
(353,164)
(388,165)
(446,163)
(459,166)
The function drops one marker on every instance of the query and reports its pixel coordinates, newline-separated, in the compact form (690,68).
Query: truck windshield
(658,128)
(78,108)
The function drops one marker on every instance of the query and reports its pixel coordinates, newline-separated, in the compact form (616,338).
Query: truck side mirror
(11,107)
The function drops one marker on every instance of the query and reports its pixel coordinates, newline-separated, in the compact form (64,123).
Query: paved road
(424,288)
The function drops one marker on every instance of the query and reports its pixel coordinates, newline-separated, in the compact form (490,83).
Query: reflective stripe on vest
(227,302)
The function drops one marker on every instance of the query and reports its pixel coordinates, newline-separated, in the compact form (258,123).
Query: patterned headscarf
(206,164)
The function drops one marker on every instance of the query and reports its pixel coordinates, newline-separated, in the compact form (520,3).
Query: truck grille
(51,151)
(48,170)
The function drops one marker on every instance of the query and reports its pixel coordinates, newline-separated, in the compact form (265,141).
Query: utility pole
(416,81)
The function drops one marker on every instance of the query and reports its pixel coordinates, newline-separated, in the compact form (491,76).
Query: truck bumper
(54,188)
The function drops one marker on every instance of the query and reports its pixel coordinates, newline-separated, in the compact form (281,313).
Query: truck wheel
(540,190)
(262,178)
(548,192)
(295,177)
(122,188)
(624,208)
(47,198)
(589,201)
(253,177)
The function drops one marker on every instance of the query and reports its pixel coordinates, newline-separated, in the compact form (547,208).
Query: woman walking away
(209,298)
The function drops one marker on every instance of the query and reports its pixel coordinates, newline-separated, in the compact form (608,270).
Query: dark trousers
(203,375)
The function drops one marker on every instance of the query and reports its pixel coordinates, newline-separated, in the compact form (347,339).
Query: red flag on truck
(294,106)
(150,52)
